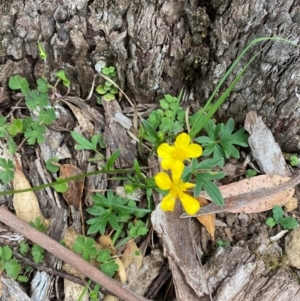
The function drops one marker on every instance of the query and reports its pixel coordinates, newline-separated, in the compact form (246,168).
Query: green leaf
(46,117)
(86,247)
(23,248)
(18,82)
(15,127)
(251,173)
(111,160)
(82,142)
(37,253)
(38,225)
(210,163)
(101,90)
(35,133)
(12,268)
(7,170)
(106,70)
(36,99)
(42,52)
(270,222)
(6,253)
(289,223)
(294,160)
(103,255)
(109,268)
(109,97)
(164,104)
(62,76)
(22,278)
(277,213)
(211,189)
(60,186)
(52,167)
(42,85)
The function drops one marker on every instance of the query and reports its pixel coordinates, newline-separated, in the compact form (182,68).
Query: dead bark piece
(116,138)
(246,272)
(10,290)
(292,248)
(178,245)
(265,150)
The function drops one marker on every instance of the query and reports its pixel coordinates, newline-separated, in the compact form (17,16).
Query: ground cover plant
(191,151)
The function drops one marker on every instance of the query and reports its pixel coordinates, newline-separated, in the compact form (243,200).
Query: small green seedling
(112,210)
(222,244)
(108,90)
(38,225)
(285,222)
(37,253)
(85,246)
(137,228)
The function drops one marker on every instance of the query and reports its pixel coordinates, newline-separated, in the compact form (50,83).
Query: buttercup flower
(176,189)
(182,150)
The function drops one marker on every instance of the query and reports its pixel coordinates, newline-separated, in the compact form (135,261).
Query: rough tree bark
(159,46)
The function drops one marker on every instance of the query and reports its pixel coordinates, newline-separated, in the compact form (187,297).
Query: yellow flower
(182,150)
(176,189)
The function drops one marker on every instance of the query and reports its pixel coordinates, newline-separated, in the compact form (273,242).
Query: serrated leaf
(103,255)
(42,85)
(37,253)
(23,248)
(6,253)
(36,99)
(7,170)
(109,268)
(12,268)
(46,117)
(15,127)
(35,133)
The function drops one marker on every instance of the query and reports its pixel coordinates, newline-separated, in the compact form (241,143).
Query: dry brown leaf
(121,273)
(26,203)
(208,221)
(75,188)
(106,242)
(130,257)
(83,120)
(253,195)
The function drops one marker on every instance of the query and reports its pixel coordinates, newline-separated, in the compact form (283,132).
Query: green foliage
(35,133)
(18,82)
(52,167)
(294,160)
(24,247)
(37,253)
(7,170)
(85,246)
(137,228)
(204,177)
(285,222)
(112,210)
(222,244)
(108,89)
(38,225)
(84,144)
(9,264)
(62,76)
(107,264)
(42,52)
(251,173)
(221,140)
(60,186)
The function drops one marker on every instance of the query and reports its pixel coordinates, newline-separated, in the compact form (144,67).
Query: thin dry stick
(67,256)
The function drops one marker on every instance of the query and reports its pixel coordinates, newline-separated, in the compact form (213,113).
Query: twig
(67,256)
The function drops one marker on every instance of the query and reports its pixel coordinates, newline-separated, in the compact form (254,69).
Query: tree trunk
(159,47)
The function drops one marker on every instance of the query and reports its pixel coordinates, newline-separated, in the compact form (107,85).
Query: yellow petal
(167,163)
(188,185)
(177,170)
(163,181)
(165,150)
(168,203)
(182,140)
(190,204)
(193,150)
